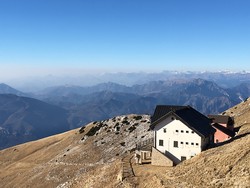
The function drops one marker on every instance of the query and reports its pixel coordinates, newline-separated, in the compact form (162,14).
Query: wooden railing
(149,142)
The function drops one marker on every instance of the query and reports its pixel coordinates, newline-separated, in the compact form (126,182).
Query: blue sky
(48,36)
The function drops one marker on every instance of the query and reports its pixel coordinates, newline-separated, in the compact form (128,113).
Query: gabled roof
(224,129)
(162,110)
(221,119)
(188,115)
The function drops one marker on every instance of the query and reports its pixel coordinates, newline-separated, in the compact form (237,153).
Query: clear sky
(45,36)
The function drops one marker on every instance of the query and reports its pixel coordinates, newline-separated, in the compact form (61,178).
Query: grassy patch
(82,130)
(137,117)
(131,129)
(122,143)
(93,130)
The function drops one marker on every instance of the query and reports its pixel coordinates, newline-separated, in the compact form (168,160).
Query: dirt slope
(72,159)
(76,160)
(227,165)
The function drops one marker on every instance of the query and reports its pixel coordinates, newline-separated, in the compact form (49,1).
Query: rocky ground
(91,157)
(86,157)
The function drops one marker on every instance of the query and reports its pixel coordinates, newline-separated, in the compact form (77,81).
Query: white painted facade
(173,136)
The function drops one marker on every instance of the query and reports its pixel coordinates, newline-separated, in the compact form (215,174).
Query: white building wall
(170,130)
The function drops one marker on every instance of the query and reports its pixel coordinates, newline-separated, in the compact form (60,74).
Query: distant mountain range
(66,107)
(24,119)
(110,99)
(225,79)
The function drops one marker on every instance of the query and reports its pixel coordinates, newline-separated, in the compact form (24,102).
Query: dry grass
(227,165)
(65,161)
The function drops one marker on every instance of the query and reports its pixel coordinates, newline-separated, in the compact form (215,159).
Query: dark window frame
(161,142)
(175,144)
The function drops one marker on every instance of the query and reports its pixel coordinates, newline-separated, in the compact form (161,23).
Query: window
(192,132)
(187,131)
(183,158)
(172,118)
(164,130)
(186,143)
(176,131)
(160,142)
(175,144)
(192,143)
(197,144)
(182,131)
(181,142)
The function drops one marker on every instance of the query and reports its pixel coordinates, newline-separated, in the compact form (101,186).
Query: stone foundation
(159,159)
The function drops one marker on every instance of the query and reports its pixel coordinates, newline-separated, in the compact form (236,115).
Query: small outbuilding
(224,126)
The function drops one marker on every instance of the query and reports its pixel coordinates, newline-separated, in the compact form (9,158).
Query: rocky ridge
(75,158)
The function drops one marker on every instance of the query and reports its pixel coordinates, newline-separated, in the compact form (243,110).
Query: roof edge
(152,126)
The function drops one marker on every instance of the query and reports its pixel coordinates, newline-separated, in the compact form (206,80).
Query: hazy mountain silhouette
(23,119)
(225,79)
(105,102)
(5,89)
